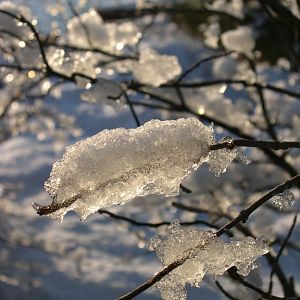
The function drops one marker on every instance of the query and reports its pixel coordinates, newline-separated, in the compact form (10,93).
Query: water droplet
(22,44)
(9,78)
(31,74)
(201,110)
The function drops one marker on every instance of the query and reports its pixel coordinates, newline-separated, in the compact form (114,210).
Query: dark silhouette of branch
(48,43)
(283,245)
(244,214)
(22,19)
(234,275)
(260,92)
(268,7)
(154,225)
(274,145)
(131,107)
(113,14)
(224,291)
(199,63)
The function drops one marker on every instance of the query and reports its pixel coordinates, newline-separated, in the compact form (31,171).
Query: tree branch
(153,225)
(274,145)
(283,245)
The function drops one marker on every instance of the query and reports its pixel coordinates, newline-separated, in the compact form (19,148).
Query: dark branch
(274,145)
(283,245)
(153,225)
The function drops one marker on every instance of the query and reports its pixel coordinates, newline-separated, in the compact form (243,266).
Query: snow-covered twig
(242,217)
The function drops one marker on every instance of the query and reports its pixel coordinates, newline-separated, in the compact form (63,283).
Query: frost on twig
(206,254)
(284,200)
(219,160)
(115,166)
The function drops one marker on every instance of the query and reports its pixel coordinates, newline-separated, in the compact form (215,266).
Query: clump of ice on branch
(284,200)
(219,160)
(154,69)
(240,40)
(115,166)
(205,253)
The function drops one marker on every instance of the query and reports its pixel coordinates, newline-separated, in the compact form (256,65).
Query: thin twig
(154,225)
(134,114)
(274,145)
(22,19)
(234,275)
(245,213)
(245,83)
(283,245)
(199,63)
(224,291)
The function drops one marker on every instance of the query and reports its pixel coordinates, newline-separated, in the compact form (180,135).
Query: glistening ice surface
(115,166)
(205,253)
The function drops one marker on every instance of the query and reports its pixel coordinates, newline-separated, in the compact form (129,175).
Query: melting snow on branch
(284,200)
(219,160)
(206,254)
(154,69)
(115,166)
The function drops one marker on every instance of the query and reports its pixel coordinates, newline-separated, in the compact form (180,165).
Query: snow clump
(115,166)
(205,252)
(284,200)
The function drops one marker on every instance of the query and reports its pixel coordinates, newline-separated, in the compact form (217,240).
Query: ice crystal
(219,160)
(240,39)
(115,166)
(154,69)
(243,159)
(205,253)
(284,200)
(104,90)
